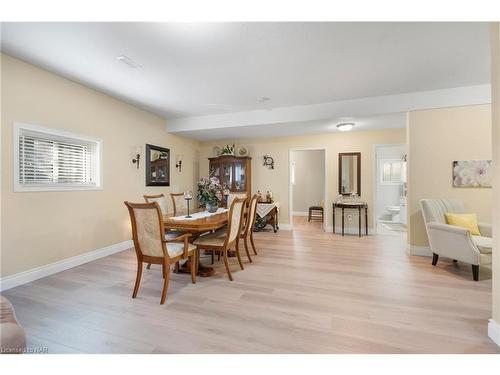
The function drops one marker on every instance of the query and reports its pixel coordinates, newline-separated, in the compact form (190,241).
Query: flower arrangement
(209,192)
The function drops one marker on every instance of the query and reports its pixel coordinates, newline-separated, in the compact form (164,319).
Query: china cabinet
(234,172)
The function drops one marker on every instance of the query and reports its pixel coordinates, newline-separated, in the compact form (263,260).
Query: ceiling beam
(377,105)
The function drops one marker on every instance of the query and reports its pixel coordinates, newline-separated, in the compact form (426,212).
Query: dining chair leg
(212,256)
(176,268)
(246,249)
(238,255)
(148,266)
(193,267)
(137,279)
(226,263)
(166,278)
(196,260)
(253,244)
(218,256)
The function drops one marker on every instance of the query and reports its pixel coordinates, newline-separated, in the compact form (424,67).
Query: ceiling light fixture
(127,60)
(345,127)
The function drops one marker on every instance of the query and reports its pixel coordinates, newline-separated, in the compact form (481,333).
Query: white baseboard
(62,265)
(300,213)
(422,251)
(494,331)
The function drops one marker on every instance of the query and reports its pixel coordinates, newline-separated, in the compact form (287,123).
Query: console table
(351,205)
(267,213)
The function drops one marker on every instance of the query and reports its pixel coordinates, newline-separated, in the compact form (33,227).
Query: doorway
(390,184)
(307,189)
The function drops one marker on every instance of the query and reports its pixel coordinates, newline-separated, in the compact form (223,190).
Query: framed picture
(157,166)
(472,173)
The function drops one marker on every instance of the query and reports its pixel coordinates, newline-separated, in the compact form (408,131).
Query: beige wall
(277,179)
(309,179)
(495,81)
(435,139)
(40,228)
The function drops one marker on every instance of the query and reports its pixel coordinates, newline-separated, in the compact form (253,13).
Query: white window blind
(48,160)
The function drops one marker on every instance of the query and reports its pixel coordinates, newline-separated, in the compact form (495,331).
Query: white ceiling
(209,68)
(388,121)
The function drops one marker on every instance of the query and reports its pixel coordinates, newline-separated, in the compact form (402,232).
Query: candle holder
(188,195)
(225,193)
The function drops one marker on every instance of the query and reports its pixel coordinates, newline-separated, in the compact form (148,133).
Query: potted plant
(209,193)
(227,150)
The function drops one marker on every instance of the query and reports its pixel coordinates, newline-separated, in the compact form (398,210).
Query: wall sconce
(178,162)
(137,156)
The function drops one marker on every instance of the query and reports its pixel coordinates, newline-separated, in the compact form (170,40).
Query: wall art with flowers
(472,173)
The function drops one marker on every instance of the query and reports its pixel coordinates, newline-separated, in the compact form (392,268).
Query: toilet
(394,212)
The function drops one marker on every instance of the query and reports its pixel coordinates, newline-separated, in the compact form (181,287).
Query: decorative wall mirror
(157,166)
(350,173)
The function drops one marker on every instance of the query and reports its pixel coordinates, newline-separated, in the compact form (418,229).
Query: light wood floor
(301,223)
(307,292)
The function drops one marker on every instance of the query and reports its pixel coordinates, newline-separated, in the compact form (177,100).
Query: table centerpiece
(209,193)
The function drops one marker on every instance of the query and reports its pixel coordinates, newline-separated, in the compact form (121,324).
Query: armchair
(455,242)
(12,335)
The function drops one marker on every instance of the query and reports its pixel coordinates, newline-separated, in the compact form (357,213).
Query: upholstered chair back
(178,202)
(147,228)
(434,210)
(232,196)
(160,199)
(235,218)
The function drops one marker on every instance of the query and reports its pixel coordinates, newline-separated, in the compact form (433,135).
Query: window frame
(19,188)
(391,182)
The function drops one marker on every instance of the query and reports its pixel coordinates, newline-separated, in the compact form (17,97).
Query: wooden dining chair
(225,240)
(247,230)
(170,235)
(151,246)
(178,203)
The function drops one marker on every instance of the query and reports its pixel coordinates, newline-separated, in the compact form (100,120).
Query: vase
(212,208)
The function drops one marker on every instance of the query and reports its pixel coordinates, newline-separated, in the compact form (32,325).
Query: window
(392,172)
(48,160)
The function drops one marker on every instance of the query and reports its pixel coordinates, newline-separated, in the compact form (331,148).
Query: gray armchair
(455,242)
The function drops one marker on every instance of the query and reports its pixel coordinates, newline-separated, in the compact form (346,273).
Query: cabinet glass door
(227,176)
(215,170)
(239,177)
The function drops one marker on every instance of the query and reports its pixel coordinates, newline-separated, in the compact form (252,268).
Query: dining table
(198,224)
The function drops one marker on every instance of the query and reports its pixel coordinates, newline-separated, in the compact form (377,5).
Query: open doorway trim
(290,187)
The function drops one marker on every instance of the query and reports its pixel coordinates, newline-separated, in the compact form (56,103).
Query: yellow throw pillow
(467,221)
